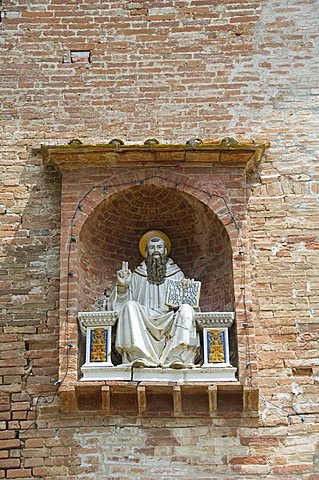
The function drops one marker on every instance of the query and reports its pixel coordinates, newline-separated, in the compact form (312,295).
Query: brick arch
(215,200)
(111,228)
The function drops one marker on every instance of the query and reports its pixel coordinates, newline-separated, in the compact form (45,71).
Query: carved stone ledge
(151,399)
(214,319)
(225,373)
(75,155)
(98,319)
(203,319)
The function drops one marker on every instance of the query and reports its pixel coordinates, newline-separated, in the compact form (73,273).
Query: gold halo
(151,234)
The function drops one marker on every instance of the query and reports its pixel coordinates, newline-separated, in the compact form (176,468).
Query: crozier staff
(148,333)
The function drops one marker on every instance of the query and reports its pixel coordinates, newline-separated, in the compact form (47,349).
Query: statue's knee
(131,305)
(129,311)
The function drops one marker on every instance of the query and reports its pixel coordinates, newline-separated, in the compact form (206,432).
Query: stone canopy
(76,155)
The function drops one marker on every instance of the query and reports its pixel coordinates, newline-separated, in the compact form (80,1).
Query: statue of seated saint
(149,332)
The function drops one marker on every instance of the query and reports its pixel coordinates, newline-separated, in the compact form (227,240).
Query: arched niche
(200,243)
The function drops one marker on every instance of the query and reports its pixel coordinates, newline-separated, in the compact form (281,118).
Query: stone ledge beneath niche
(165,399)
(94,372)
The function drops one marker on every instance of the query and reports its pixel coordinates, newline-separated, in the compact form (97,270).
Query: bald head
(156,246)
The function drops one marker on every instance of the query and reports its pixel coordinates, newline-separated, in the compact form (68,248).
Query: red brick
(258,460)
(4,407)
(296,468)
(39,471)
(267,441)
(19,473)
(34,443)
(20,406)
(5,416)
(10,463)
(33,462)
(7,434)
(12,443)
(165,441)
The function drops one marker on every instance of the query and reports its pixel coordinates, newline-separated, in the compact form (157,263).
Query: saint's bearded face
(156,261)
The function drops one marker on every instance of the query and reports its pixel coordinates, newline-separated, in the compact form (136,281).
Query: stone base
(209,374)
(105,372)
(212,374)
(154,399)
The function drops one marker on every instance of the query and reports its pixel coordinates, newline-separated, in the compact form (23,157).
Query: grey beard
(156,268)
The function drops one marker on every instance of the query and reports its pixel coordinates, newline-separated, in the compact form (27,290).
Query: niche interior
(200,243)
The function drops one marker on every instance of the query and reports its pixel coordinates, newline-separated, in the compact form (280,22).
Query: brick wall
(170,70)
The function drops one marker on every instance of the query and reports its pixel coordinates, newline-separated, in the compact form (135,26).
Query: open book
(177,294)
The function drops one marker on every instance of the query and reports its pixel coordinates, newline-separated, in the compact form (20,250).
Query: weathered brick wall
(170,70)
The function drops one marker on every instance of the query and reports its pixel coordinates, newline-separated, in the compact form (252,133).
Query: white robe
(147,330)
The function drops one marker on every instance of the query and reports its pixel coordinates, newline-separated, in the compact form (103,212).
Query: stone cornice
(203,319)
(97,319)
(227,152)
(214,319)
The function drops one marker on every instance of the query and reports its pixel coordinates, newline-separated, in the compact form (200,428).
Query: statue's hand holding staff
(124,275)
